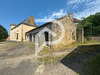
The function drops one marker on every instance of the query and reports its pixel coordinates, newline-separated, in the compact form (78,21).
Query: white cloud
(84,7)
(79,8)
(43,20)
(54,15)
(73,1)
(59,14)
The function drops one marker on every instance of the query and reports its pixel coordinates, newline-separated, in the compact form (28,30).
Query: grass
(92,67)
(81,48)
(30,45)
(46,50)
(91,42)
(50,59)
(78,51)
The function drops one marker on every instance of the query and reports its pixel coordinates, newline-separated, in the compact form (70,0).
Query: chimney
(32,20)
(70,15)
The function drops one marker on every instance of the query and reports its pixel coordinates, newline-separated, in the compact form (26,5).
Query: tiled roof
(76,20)
(26,22)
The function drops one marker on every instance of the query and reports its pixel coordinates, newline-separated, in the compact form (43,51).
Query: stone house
(70,32)
(17,32)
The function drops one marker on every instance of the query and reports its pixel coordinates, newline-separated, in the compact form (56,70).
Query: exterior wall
(69,37)
(14,32)
(12,26)
(95,38)
(41,39)
(18,30)
(26,29)
(70,32)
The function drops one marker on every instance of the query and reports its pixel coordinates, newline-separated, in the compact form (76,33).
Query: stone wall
(70,32)
(80,35)
(95,38)
(69,36)
(41,38)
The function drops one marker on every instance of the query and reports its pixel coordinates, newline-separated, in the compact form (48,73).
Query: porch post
(28,38)
(32,38)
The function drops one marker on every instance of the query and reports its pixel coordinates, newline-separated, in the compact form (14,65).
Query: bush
(91,25)
(3,33)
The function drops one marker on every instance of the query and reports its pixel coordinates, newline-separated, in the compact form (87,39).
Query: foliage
(91,25)
(3,33)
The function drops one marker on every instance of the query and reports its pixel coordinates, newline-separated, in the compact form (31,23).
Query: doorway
(46,38)
(30,36)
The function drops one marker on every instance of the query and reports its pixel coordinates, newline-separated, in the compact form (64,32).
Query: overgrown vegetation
(46,50)
(81,48)
(30,45)
(3,33)
(91,25)
(92,67)
(50,59)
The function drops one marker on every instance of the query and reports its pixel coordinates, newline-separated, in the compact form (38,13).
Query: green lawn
(92,67)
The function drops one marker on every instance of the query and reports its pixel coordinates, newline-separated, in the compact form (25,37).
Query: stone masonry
(69,37)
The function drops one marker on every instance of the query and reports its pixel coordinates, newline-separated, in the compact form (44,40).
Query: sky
(18,10)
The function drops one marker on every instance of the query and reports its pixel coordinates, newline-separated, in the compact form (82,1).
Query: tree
(3,33)
(91,25)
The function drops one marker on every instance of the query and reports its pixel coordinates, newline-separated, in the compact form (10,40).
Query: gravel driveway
(16,60)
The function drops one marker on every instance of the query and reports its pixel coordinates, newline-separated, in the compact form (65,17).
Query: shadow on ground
(79,56)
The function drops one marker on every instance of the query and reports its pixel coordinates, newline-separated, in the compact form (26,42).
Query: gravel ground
(17,60)
(16,50)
